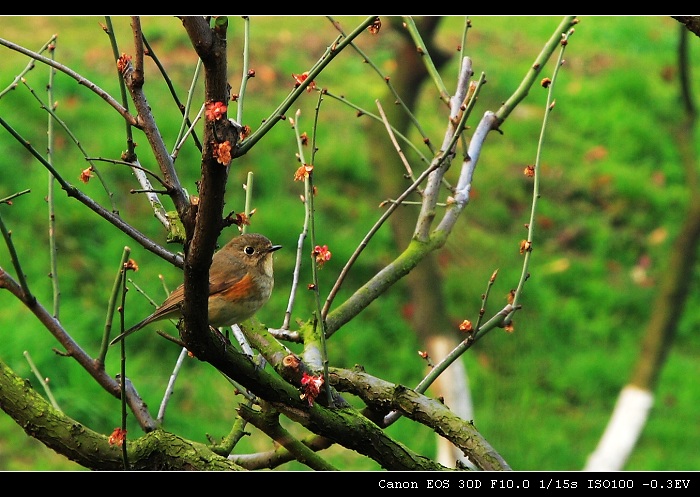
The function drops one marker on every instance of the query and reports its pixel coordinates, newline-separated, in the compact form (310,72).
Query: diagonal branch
(80,79)
(93,367)
(383,395)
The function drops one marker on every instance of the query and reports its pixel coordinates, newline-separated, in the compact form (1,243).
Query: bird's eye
(249,250)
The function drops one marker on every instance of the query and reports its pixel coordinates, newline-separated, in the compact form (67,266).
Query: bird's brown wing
(220,282)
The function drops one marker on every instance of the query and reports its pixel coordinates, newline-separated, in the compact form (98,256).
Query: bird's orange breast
(240,290)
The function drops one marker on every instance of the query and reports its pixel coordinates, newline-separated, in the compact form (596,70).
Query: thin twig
(44,382)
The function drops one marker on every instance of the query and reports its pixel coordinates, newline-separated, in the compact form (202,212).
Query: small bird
(240,283)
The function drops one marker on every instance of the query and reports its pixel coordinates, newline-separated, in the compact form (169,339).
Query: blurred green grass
(612,193)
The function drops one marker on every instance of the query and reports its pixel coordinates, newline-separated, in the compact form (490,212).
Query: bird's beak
(275,247)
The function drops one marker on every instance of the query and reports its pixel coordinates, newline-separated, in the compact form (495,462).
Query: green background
(613,197)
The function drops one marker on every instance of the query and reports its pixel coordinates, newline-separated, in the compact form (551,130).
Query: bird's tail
(128,332)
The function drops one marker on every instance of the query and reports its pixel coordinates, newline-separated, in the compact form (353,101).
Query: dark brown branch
(204,223)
